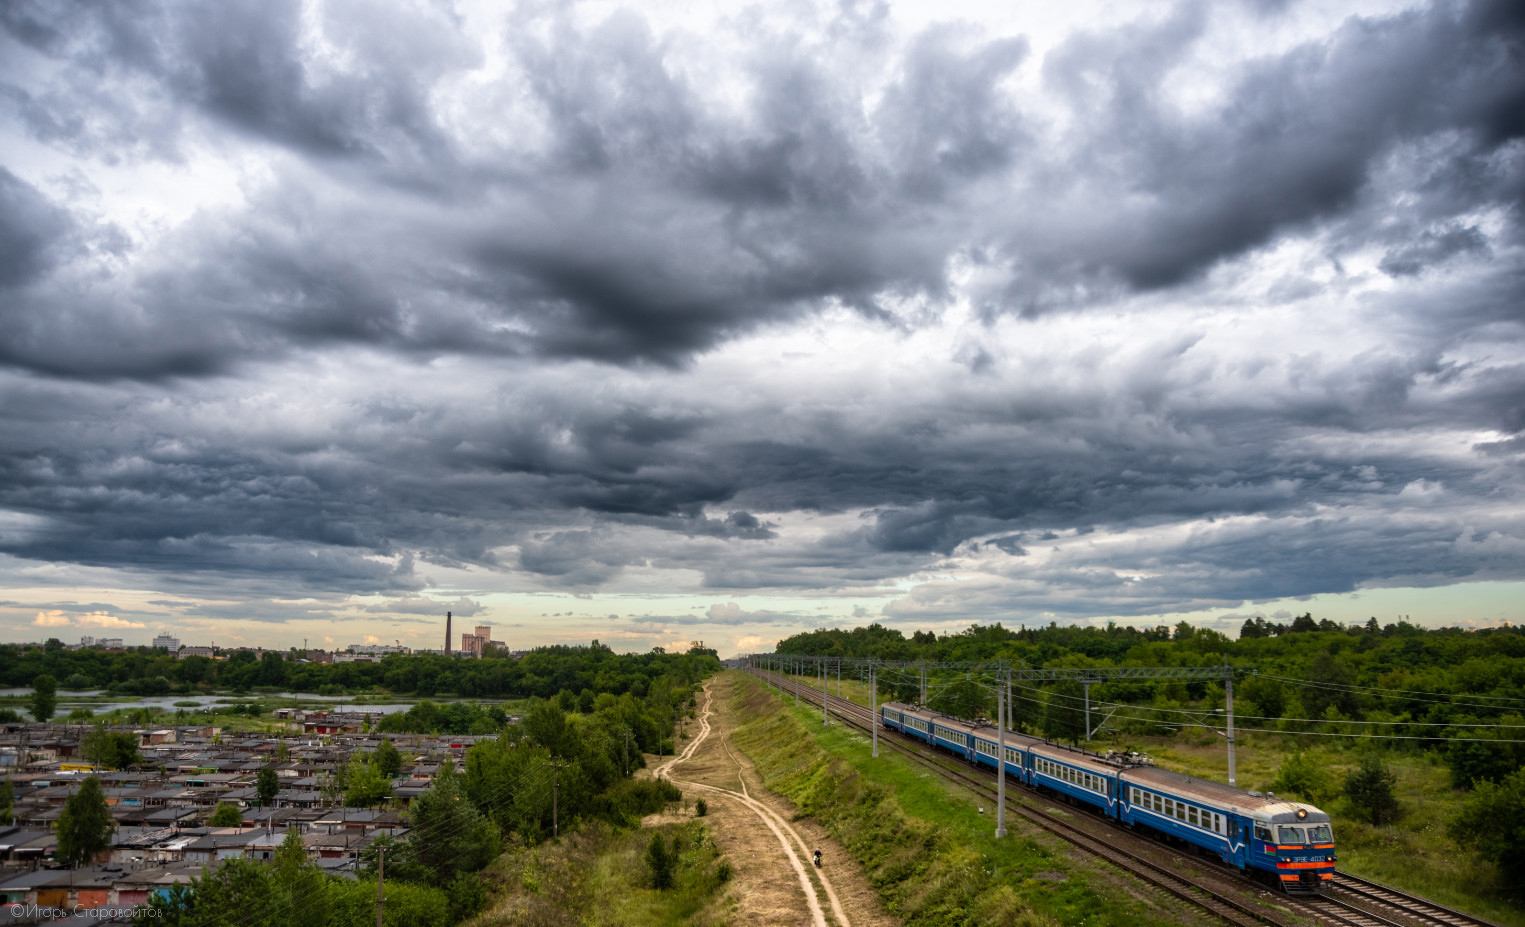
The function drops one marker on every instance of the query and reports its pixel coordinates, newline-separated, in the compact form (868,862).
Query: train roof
(1265,807)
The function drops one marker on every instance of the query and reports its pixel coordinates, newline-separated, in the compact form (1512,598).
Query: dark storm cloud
(563,244)
(650,226)
(30,229)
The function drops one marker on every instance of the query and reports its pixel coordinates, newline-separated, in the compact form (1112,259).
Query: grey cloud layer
(621,214)
(575,237)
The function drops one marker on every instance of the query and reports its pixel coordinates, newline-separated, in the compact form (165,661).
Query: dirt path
(753,829)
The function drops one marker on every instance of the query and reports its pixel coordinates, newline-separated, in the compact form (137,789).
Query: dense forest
(1460,690)
(543,672)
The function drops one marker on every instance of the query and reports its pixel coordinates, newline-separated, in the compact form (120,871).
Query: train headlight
(1302,813)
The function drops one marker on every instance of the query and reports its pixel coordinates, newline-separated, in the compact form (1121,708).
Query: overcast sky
(664,322)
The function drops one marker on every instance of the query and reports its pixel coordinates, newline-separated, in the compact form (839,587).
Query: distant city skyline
(664,322)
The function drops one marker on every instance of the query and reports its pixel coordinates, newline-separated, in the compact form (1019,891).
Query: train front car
(1293,844)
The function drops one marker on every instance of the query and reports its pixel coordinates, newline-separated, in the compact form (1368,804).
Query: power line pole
(381,874)
(1228,692)
(1001,704)
(825,719)
(1087,685)
(555,819)
(873,698)
(923,683)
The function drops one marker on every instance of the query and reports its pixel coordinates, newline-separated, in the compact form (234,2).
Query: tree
(1472,759)
(7,801)
(1369,787)
(85,826)
(1492,821)
(547,725)
(111,749)
(388,761)
(267,784)
(449,834)
(962,699)
(226,815)
(1064,714)
(1303,777)
(660,862)
(44,697)
(365,785)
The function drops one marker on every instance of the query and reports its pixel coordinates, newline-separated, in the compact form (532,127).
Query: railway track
(1221,891)
(1401,906)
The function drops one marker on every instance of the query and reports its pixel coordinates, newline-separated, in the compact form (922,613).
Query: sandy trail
(795,848)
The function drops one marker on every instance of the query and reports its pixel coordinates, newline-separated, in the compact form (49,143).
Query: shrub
(661,863)
(1490,822)
(700,808)
(1369,787)
(1301,776)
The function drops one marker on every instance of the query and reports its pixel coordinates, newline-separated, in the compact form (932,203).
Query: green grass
(1413,854)
(923,843)
(597,877)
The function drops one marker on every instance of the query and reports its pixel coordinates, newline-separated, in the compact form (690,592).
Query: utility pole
(381,874)
(627,751)
(923,683)
(825,719)
(797,669)
(555,819)
(1228,692)
(1000,760)
(839,678)
(1087,685)
(873,700)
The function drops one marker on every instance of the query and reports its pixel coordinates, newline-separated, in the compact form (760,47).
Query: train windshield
(1320,833)
(1290,835)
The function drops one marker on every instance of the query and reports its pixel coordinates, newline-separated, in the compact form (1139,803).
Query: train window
(1290,835)
(1262,832)
(1320,833)
(1191,815)
(1159,803)
(1180,811)
(1135,796)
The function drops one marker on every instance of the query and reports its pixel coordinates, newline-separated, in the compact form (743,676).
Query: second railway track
(1209,885)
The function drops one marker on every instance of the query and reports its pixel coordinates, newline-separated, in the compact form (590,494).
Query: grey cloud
(570,273)
(463,607)
(30,231)
(1433,247)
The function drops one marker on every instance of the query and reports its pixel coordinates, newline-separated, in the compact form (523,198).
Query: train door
(1263,847)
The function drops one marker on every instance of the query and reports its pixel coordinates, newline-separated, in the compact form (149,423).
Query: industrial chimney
(447,634)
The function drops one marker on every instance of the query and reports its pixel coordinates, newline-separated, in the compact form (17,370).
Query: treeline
(542,673)
(1438,689)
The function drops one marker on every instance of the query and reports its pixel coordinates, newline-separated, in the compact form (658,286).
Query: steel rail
(1416,910)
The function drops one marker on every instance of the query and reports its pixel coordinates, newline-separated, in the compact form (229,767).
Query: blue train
(1287,843)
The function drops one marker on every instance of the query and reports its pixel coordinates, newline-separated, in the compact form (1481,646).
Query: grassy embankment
(597,877)
(1414,853)
(923,843)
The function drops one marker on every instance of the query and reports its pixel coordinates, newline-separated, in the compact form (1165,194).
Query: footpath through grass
(598,877)
(925,846)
